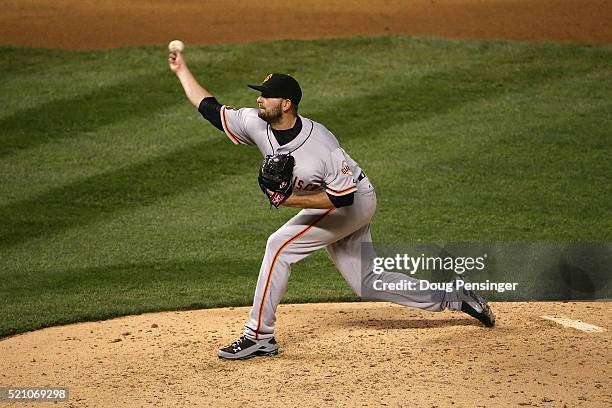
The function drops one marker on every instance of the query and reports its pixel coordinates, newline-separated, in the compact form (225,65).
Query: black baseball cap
(280,86)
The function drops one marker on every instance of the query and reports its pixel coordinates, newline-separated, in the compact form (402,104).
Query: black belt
(361,177)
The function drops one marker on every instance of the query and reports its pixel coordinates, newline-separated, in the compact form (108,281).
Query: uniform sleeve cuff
(348,190)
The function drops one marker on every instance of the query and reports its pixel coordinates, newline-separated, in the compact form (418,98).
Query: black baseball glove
(276,176)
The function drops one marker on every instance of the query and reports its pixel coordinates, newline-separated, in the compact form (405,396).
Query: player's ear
(286,105)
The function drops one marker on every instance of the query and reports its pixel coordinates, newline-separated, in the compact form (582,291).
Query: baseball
(176,46)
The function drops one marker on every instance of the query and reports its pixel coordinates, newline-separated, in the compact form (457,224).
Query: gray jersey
(320,162)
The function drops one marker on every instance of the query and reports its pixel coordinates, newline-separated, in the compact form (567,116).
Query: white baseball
(176,46)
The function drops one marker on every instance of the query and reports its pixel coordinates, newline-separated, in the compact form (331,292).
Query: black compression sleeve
(342,201)
(210,108)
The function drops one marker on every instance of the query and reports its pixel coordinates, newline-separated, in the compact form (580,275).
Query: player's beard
(271,115)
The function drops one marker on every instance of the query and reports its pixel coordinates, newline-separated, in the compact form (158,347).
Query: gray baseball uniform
(320,165)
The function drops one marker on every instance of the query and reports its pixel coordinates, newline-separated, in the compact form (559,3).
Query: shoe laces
(237,342)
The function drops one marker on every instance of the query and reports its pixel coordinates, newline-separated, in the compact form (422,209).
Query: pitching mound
(348,354)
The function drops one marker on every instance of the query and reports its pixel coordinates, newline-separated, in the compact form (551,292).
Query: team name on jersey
(299,185)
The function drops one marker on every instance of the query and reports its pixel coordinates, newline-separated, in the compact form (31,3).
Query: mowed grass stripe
(141,94)
(72,117)
(100,196)
(463,140)
(519,180)
(83,201)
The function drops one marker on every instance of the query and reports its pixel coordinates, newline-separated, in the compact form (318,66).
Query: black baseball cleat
(472,304)
(485,316)
(244,348)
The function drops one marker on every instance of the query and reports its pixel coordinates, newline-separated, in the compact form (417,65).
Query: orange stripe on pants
(296,236)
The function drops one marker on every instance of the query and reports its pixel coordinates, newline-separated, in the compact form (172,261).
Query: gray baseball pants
(341,231)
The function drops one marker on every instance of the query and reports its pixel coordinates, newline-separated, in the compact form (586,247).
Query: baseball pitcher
(304,166)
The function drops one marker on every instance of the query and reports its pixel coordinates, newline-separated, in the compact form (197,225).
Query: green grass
(117,198)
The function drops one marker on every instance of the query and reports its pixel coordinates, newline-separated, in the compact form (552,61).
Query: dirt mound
(348,354)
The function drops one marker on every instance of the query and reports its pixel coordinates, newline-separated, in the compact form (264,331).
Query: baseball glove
(276,176)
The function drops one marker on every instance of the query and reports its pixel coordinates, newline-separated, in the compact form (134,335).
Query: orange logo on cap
(267,78)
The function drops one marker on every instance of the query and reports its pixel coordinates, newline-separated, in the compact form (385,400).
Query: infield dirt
(351,354)
(83,24)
